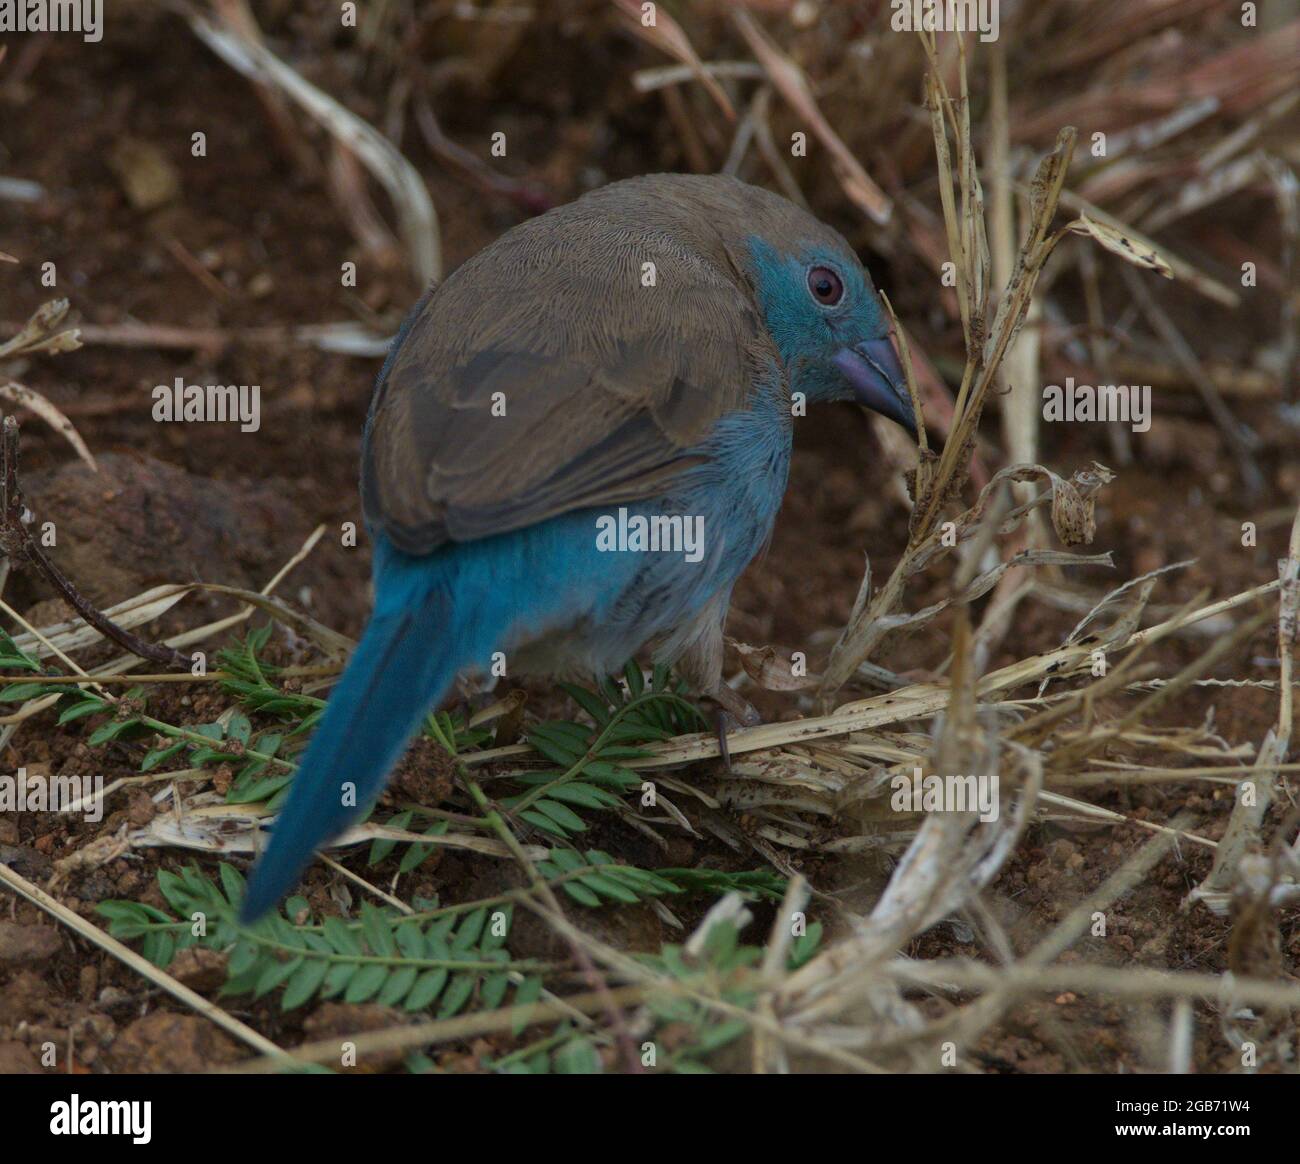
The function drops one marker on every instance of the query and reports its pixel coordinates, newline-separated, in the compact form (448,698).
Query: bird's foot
(734,711)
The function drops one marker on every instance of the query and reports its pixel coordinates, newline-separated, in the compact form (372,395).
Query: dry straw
(1049,727)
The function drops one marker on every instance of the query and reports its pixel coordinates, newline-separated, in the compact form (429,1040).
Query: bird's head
(829,324)
(815,298)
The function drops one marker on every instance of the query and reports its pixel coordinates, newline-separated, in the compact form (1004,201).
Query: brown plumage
(605,383)
(544,384)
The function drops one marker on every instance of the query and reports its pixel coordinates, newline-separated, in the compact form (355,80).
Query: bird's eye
(825,286)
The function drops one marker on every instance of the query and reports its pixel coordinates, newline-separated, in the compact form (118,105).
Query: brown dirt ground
(231,508)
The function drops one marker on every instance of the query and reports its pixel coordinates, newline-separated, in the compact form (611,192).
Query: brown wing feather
(605,384)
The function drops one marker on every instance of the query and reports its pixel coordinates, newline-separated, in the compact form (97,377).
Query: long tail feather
(401,667)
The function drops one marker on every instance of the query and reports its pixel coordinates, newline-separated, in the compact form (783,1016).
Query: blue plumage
(489,538)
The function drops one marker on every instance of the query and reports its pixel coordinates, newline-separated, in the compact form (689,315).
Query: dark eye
(825,286)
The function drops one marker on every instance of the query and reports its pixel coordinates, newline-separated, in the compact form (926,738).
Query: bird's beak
(872,368)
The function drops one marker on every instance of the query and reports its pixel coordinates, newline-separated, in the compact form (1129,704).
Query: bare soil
(172,504)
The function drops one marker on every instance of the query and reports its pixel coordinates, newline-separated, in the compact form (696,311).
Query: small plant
(410,961)
(591,758)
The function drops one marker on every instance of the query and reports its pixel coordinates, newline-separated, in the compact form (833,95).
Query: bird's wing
(546,376)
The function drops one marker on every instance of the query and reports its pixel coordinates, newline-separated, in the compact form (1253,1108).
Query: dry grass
(1184,135)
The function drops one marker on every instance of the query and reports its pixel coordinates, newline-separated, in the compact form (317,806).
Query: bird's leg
(729,700)
(701,666)
(734,711)
(472,691)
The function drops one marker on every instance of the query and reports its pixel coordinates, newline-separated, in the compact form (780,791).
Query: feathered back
(553,371)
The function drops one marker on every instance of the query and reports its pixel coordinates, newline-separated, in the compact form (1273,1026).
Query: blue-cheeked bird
(641,348)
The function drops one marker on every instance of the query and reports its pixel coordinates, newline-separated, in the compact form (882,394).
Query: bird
(634,359)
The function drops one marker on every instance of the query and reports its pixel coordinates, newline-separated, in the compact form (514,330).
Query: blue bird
(630,361)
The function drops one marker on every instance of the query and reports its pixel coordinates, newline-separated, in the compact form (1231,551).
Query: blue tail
(404,663)
(435,615)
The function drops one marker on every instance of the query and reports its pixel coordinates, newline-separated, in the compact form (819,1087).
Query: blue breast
(580,593)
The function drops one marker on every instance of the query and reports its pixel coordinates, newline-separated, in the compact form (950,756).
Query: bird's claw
(734,711)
